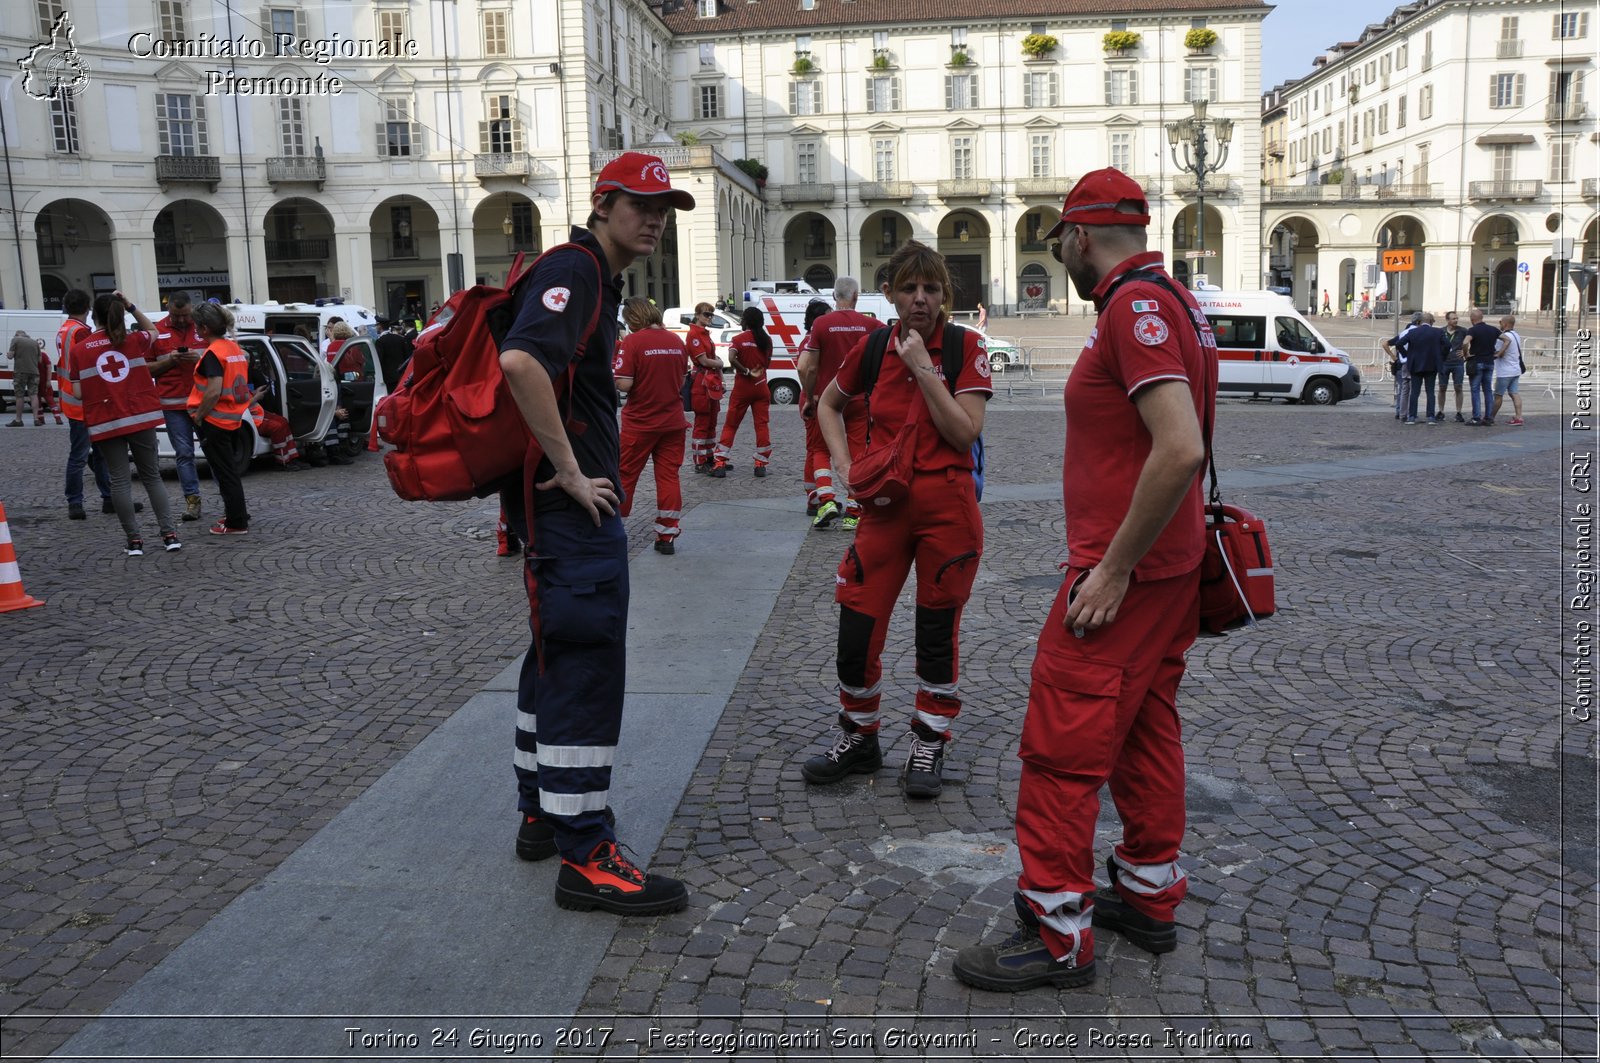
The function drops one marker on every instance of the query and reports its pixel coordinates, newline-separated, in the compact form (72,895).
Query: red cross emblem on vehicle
(112,366)
(779,327)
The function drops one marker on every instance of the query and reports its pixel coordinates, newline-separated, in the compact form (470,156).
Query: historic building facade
(385,151)
(1461,132)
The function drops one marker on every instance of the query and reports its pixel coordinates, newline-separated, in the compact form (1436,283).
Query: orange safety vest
(69,333)
(229,411)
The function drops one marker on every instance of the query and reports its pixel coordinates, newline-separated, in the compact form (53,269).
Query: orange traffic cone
(12,596)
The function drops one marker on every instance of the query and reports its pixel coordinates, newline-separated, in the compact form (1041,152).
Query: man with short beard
(1102,704)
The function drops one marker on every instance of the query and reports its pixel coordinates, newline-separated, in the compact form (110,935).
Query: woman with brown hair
(218,405)
(932,410)
(109,374)
(706,387)
(649,370)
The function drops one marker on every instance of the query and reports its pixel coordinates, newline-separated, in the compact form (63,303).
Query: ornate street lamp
(1194,135)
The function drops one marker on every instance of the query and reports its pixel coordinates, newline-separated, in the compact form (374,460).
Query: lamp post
(1194,135)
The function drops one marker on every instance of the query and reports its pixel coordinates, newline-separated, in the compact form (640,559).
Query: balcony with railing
(695,156)
(1508,49)
(1504,190)
(297,169)
(314,249)
(964,188)
(878,191)
(517,164)
(1044,186)
(189,169)
(1187,185)
(803,192)
(1557,111)
(1303,193)
(1412,191)
(1591,188)
(817,249)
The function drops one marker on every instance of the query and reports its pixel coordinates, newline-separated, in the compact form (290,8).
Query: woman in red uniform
(649,370)
(706,388)
(110,376)
(936,527)
(749,352)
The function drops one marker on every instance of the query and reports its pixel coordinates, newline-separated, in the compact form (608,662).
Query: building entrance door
(966,276)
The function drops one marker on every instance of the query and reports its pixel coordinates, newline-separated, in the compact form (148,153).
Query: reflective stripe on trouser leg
(667,456)
(1066,924)
(938,693)
(576,697)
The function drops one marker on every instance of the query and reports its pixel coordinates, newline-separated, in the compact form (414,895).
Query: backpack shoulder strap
(872,359)
(955,339)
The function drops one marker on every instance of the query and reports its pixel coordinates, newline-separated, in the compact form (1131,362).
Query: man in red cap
(1101,707)
(557,361)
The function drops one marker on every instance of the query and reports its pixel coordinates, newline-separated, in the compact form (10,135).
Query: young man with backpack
(556,358)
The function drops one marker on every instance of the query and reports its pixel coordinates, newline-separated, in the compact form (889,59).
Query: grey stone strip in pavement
(396,917)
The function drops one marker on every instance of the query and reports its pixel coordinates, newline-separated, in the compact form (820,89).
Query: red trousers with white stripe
(1102,708)
(938,529)
(855,427)
(276,428)
(665,450)
(752,396)
(703,436)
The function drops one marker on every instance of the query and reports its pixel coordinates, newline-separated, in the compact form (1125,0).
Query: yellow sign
(1399,261)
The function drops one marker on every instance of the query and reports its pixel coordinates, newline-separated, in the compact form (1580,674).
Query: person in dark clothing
(394,351)
(557,360)
(1455,363)
(1481,341)
(1424,347)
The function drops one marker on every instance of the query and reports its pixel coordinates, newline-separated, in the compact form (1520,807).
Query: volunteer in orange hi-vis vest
(108,375)
(706,389)
(76,303)
(218,404)
(649,370)
(178,345)
(749,352)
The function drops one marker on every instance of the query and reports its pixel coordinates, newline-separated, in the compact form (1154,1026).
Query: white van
(756,289)
(281,318)
(786,322)
(1266,348)
(42,325)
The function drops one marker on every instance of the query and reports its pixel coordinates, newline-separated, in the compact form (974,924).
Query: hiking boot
(536,838)
(611,882)
(1111,912)
(761,470)
(719,469)
(108,506)
(850,522)
(664,546)
(170,542)
(135,547)
(827,513)
(1020,962)
(924,774)
(75,511)
(853,754)
(191,507)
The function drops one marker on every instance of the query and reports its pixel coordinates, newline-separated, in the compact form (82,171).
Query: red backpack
(454,425)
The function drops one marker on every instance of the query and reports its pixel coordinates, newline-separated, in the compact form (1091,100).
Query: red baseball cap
(1095,198)
(643,175)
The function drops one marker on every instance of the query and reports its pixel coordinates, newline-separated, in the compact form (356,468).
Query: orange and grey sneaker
(610,882)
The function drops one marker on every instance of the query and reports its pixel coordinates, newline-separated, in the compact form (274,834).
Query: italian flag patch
(1145,306)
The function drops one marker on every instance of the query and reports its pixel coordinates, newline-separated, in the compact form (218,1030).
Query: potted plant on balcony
(755,168)
(1039,45)
(802,65)
(1120,42)
(688,139)
(959,56)
(880,60)
(1201,39)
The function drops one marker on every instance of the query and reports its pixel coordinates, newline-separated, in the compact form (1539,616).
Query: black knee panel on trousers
(855,637)
(936,641)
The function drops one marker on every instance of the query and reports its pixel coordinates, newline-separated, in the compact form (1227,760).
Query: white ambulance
(281,318)
(786,322)
(41,325)
(1266,348)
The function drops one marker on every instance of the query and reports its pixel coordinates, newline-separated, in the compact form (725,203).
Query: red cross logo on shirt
(1150,330)
(112,366)
(558,298)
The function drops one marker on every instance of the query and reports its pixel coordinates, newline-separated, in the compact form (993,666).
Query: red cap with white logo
(642,175)
(1095,198)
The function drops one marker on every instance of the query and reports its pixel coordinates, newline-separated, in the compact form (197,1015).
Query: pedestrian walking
(750,352)
(832,337)
(570,694)
(109,373)
(76,303)
(218,403)
(26,355)
(1480,344)
(650,368)
(1327,305)
(1102,702)
(1508,369)
(936,527)
(705,387)
(179,346)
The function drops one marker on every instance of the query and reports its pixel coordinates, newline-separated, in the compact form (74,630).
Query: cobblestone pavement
(1376,852)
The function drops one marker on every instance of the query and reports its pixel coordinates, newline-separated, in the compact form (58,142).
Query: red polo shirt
(834,335)
(1143,337)
(896,396)
(176,383)
(657,362)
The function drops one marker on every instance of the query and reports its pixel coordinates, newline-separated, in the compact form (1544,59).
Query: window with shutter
(1560,161)
(883,160)
(1039,155)
(961,158)
(180,124)
(291,126)
(49,11)
(169,19)
(496,33)
(64,123)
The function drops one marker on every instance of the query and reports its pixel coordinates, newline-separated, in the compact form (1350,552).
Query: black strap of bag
(878,346)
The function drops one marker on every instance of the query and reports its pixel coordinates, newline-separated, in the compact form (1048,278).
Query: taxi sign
(1403,261)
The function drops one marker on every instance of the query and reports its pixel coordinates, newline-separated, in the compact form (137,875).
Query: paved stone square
(1391,838)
